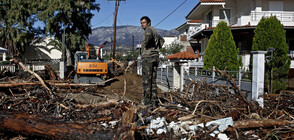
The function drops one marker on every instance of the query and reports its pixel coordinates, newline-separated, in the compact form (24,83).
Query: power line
(119,21)
(104,19)
(170,13)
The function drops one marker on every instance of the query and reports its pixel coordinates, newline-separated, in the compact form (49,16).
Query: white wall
(39,50)
(246,62)
(168,41)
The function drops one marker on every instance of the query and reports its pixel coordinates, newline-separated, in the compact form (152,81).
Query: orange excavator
(89,67)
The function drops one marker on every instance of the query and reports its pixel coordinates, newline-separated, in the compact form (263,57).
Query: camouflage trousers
(149,73)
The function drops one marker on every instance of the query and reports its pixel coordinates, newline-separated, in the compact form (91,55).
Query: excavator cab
(89,70)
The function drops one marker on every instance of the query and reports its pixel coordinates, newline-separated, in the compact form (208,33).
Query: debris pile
(27,109)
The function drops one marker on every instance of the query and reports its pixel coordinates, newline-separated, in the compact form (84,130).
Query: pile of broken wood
(51,111)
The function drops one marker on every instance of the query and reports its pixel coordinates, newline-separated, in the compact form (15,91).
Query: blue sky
(131,11)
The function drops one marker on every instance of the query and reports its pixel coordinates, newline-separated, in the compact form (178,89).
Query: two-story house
(242,17)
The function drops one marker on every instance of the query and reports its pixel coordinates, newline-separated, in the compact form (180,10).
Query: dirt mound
(134,91)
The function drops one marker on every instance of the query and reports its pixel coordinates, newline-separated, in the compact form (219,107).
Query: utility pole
(133,46)
(111,47)
(62,67)
(114,27)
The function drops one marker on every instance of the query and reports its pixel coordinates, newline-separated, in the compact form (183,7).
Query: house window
(276,6)
(209,18)
(225,14)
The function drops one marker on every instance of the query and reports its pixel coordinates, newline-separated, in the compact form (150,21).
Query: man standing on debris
(151,43)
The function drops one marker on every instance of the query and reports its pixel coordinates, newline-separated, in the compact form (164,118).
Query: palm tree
(57,45)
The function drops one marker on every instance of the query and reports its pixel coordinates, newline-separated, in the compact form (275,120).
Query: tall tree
(172,48)
(270,33)
(70,16)
(16,20)
(221,50)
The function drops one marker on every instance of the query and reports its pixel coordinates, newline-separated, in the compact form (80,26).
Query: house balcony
(196,29)
(193,30)
(286,18)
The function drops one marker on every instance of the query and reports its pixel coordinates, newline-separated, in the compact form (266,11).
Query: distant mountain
(123,35)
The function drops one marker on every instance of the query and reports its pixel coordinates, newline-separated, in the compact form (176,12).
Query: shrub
(221,50)
(270,33)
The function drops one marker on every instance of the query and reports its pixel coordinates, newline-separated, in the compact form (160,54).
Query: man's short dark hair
(147,19)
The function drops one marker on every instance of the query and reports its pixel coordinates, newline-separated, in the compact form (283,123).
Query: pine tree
(16,25)
(270,33)
(221,50)
(17,18)
(70,16)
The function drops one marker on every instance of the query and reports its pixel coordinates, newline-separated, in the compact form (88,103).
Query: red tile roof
(194,21)
(183,55)
(204,1)
(233,27)
(212,0)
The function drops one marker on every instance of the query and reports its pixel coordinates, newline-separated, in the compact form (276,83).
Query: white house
(242,17)
(39,51)
(169,40)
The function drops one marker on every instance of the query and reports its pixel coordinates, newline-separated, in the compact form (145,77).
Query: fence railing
(165,76)
(10,68)
(282,16)
(34,65)
(242,78)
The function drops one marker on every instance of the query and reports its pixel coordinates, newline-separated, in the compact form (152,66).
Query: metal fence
(242,78)
(40,64)
(34,65)
(10,68)
(165,76)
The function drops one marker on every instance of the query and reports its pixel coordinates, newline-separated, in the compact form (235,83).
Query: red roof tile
(233,27)
(183,55)
(194,21)
(204,1)
(212,0)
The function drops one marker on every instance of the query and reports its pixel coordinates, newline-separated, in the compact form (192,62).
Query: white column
(139,66)
(61,70)
(182,72)
(4,57)
(258,76)
(176,76)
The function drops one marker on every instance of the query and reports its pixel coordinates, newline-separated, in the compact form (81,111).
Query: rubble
(114,111)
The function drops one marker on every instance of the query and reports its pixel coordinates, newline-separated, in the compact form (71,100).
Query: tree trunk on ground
(33,125)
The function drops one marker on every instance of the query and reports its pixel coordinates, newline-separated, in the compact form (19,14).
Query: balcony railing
(193,30)
(282,16)
(196,29)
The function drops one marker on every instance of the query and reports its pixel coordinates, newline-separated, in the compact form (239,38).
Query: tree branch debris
(114,111)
